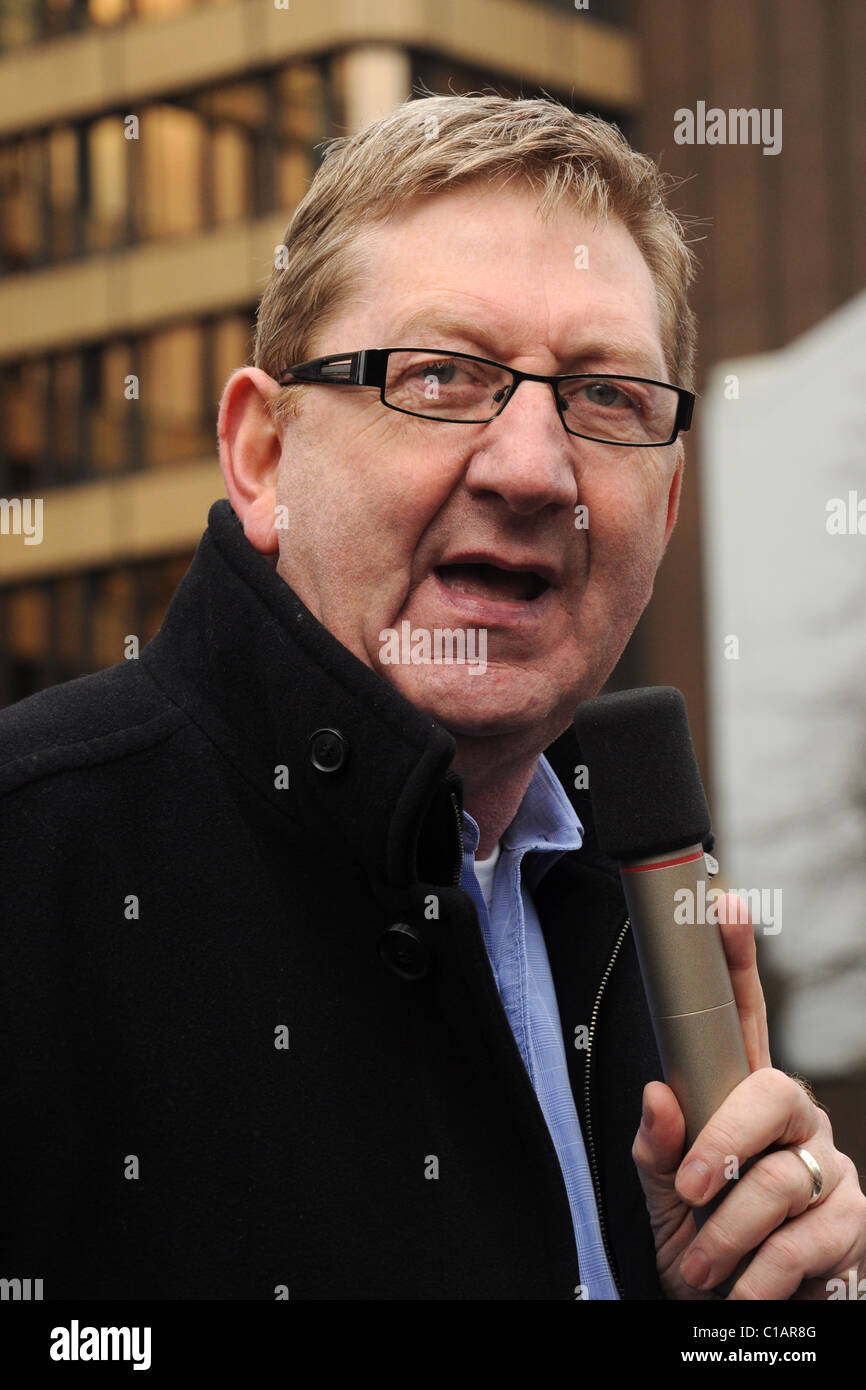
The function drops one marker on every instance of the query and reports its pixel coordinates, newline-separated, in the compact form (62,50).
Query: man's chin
(474,703)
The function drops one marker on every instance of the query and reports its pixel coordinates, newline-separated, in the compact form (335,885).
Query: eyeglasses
(457,388)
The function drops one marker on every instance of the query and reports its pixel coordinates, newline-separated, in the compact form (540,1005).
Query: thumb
(657,1151)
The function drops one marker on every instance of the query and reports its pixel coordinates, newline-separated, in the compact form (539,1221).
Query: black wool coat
(251,1046)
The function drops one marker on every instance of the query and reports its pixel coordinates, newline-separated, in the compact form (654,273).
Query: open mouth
(491,582)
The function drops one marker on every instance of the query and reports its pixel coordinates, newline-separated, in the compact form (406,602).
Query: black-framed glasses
(458,388)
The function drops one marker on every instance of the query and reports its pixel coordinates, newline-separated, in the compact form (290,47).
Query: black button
(405,951)
(328,750)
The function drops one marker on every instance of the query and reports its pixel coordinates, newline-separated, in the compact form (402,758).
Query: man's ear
(250,448)
(674,493)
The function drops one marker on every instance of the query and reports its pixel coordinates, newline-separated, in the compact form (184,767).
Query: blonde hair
(441,142)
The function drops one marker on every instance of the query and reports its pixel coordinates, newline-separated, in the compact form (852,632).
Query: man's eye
(606,394)
(445,373)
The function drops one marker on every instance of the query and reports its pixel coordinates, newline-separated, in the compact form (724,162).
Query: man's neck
(493,787)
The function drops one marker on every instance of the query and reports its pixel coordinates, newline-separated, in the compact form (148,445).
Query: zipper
(458,867)
(590,1142)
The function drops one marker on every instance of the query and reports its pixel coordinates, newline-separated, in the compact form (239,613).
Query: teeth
(488,581)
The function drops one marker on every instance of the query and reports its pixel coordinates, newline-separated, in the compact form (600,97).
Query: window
(75,624)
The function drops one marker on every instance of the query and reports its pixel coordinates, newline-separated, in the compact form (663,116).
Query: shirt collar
(545,825)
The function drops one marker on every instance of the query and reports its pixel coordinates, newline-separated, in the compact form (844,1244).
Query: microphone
(651,814)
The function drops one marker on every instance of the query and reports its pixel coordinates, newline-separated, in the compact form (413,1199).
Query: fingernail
(693,1180)
(695,1268)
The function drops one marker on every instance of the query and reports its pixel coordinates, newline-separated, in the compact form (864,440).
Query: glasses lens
(619,409)
(444,387)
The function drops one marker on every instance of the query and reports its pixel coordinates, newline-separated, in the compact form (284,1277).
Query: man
(316,984)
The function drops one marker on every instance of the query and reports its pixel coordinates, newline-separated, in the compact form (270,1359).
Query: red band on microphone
(665,864)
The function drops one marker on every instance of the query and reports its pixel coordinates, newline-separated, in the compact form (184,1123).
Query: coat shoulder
(95,719)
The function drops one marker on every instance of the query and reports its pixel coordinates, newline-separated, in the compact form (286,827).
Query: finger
(766,1108)
(738,939)
(656,1151)
(812,1249)
(658,1146)
(777,1187)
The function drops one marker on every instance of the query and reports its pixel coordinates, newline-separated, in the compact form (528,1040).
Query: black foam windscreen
(643,777)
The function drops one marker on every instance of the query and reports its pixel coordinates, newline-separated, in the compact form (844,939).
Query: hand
(802,1247)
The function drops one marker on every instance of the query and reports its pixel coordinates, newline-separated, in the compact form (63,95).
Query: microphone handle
(689,991)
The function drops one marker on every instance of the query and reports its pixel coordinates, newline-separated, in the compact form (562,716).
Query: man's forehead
(480,270)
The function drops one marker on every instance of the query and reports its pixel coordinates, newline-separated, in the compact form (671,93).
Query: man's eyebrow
(620,355)
(437,321)
(624,356)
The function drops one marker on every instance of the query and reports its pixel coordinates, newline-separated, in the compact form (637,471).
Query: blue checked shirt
(544,828)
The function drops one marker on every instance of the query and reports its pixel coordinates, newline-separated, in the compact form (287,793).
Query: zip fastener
(458,867)
(590,1142)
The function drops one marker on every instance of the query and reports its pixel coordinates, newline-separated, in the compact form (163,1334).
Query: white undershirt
(484,872)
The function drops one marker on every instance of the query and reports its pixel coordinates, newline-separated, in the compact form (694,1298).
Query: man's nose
(526,455)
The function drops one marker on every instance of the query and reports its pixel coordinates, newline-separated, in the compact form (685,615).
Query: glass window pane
(109,193)
(111,617)
(20,208)
(19,23)
(62,191)
(110,412)
(70,595)
(232,346)
(66,411)
(241,103)
(294,172)
(58,17)
(171,164)
(232,174)
(170,397)
(301,103)
(27,622)
(109,11)
(25,415)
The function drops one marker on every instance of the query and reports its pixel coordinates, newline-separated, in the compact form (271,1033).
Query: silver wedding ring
(814,1172)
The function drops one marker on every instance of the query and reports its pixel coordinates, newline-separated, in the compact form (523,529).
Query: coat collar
(248,662)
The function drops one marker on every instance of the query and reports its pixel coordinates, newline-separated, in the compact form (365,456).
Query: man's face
(381,505)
